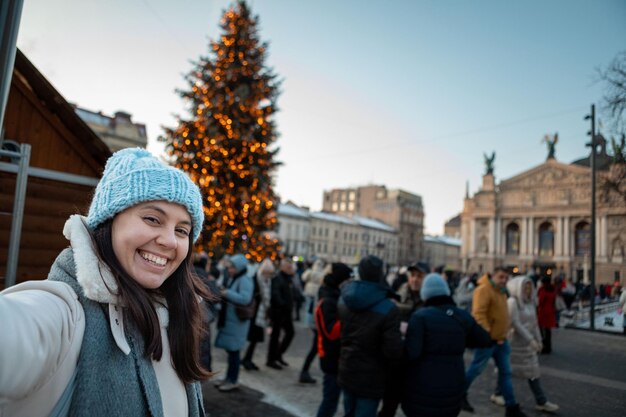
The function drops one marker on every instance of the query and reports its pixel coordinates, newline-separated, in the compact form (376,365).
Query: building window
(582,239)
(352,195)
(335,206)
(512,239)
(483,245)
(313,231)
(617,249)
(351,206)
(546,239)
(342,206)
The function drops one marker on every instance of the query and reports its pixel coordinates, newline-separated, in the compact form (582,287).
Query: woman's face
(151,240)
(527,290)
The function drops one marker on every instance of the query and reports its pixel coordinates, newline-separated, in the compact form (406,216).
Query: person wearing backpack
(328,341)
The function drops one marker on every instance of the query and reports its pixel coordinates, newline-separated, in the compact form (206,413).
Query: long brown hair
(181,291)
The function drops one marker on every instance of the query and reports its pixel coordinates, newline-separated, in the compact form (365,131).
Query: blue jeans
(232,374)
(501,355)
(354,406)
(330,399)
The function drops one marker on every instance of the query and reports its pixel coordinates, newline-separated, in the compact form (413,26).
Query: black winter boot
(514,411)
(306,378)
(466,406)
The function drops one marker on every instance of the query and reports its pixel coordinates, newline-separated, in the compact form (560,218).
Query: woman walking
(312,279)
(232,330)
(546,312)
(262,292)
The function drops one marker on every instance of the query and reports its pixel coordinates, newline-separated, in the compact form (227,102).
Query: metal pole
(18,215)
(10,13)
(592,312)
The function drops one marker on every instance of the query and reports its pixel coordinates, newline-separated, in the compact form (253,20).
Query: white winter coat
(524,329)
(42,325)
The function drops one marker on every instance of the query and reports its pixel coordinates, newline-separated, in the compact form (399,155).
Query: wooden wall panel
(53,145)
(48,205)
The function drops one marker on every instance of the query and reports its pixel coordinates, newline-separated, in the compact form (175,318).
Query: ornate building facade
(541,220)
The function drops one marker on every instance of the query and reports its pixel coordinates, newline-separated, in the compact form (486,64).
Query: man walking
(489,308)
(370,339)
(281,306)
(408,301)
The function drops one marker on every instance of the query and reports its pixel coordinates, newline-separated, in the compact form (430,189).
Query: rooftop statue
(489,163)
(551,142)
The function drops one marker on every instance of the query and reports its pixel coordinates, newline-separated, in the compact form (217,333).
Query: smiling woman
(119,310)
(151,240)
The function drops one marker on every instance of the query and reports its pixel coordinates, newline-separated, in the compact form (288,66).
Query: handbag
(246,312)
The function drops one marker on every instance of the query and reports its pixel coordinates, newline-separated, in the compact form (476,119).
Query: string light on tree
(226,144)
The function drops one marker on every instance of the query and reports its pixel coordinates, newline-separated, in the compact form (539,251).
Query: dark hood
(363,295)
(327,291)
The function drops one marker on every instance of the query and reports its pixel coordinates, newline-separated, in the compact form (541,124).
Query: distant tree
(226,142)
(614,101)
(613,184)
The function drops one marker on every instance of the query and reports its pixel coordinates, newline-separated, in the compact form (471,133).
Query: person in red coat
(546,312)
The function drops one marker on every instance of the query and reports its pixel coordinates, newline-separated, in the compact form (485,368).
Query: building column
(604,234)
(523,228)
(498,236)
(601,232)
(558,238)
(566,238)
(531,237)
(472,237)
(492,236)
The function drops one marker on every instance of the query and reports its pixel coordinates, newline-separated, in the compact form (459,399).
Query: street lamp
(592,145)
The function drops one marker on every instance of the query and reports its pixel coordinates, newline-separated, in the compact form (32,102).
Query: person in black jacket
(436,338)
(328,341)
(281,306)
(370,339)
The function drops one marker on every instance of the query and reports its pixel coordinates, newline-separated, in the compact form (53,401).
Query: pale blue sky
(403,93)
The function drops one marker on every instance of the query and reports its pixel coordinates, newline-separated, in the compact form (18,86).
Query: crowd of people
(129,306)
(390,340)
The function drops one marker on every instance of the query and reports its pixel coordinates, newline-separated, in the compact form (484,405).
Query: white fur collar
(94,277)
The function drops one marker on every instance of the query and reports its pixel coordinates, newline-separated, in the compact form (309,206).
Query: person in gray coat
(525,339)
(232,331)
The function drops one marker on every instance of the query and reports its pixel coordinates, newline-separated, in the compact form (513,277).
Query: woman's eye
(152,220)
(183,232)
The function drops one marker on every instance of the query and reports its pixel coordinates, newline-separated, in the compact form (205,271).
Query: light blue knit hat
(132,176)
(434,285)
(239,261)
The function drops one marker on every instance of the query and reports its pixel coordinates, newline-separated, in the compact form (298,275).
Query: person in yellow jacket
(490,310)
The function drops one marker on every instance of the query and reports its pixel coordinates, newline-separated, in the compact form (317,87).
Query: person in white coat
(115,329)
(525,339)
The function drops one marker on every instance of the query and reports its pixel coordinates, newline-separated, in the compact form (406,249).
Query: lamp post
(592,145)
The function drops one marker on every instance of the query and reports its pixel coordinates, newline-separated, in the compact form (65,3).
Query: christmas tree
(226,144)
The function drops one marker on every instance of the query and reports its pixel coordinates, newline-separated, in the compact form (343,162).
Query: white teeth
(153,258)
